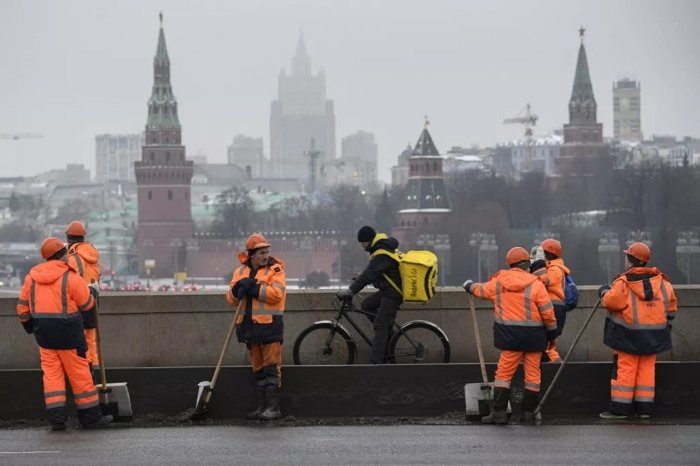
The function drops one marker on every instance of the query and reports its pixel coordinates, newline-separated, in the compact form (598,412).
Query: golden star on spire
(581,32)
(427,122)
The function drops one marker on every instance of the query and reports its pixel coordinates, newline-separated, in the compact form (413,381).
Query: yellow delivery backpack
(418,270)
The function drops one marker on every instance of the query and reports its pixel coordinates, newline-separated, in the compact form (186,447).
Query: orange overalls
(260,323)
(641,306)
(524,322)
(50,306)
(553,275)
(84,259)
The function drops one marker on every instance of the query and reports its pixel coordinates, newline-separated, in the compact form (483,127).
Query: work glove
(241,287)
(537,254)
(94,289)
(467,286)
(345,294)
(551,336)
(28,326)
(602,290)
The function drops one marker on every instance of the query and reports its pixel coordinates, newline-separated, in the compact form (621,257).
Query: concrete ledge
(187,329)
(353,391)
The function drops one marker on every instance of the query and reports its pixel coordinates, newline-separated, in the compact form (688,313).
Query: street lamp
(687,248)
(486,243)
(609,254)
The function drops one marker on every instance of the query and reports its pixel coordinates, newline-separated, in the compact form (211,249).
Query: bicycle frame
(343,312)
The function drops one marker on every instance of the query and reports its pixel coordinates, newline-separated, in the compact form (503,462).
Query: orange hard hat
(51,246)
(256,241)
(75,228)
(639,251)
(516,255)
(552,246)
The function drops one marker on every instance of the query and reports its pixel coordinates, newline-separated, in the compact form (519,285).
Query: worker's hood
(48,272)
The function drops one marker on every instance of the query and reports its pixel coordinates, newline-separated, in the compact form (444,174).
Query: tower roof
(301,63)
(583,88)
(162,105)
(425,144)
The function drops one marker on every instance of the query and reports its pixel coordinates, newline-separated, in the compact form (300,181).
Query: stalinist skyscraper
(300,113)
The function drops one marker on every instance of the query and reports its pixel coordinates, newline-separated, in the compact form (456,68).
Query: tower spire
(162,106)
(301,63)
(582,105)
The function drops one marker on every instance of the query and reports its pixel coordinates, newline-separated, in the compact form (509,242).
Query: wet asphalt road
(339,445)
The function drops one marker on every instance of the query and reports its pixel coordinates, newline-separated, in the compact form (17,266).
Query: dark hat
(366,234)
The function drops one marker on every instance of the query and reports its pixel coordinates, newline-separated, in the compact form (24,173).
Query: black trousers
(381,308)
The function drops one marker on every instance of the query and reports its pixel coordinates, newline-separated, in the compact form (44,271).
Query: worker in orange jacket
(548,265)
(524,323)
(261,284)
(52,305)
(84,259)
(641,307)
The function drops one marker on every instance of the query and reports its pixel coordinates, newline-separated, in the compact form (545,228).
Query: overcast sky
(73,69)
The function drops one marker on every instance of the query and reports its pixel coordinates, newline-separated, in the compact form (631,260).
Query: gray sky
(73,69)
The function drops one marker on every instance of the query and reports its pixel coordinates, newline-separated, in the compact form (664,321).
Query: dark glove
(602,290)
(344,294)
(28,326)
(241,287)
(254,290)
(537,265)
(551,336)
(94,290)
(467,286)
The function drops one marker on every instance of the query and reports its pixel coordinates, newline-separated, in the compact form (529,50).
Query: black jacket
(379,265)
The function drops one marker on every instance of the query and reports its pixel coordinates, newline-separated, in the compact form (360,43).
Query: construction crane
(527,118)
(17,136)
(314,155)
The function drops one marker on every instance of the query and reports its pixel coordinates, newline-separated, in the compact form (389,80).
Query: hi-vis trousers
(508,364)
(632,383)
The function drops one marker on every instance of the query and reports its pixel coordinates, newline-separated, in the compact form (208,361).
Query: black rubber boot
(498,413)
(255,414)
(530,401)
(103,421)
(272,406)
(57,418)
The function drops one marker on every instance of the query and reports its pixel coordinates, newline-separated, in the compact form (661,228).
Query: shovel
(478,395)
(538,414)
(114,397)
(206,388)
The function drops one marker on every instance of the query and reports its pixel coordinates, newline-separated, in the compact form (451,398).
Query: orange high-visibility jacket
(641,305)
(524,315)
(53,298)
(84,259)
(267,306)
(553,276)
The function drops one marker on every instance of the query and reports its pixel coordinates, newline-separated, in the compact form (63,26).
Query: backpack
(570,293)
(418,270)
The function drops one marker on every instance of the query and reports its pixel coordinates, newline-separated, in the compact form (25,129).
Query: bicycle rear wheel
(324,343)
(419,342)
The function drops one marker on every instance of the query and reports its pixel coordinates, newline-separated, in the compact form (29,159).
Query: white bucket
(477,399)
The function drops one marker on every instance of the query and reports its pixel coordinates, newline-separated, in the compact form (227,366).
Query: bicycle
(328,342)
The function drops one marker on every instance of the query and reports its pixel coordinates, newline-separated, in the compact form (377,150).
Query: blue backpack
(570,293)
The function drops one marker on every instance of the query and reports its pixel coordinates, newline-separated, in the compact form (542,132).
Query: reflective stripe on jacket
(53,297)
(84,259)
(267,307)
(522,309)
(553,276)
(641,304)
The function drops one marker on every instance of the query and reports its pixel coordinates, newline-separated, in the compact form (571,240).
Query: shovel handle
(477,336)
(566,358)
(226,344)
(98,337)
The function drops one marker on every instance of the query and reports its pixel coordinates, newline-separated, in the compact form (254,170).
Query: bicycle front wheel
(324,344)
(419,342)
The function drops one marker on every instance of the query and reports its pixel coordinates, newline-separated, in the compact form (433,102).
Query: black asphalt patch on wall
(360,391)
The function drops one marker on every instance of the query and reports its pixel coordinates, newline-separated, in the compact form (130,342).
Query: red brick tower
(163,177)
(583,151)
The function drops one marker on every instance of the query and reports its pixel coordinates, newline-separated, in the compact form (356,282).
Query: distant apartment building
(300,113)
(359,155)
(627,118)
(543,151)
(399,172)
(247,153)
(115,155)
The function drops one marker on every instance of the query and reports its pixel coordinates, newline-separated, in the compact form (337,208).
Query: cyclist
(381,307)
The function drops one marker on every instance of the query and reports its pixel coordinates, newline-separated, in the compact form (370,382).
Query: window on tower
(150,195)
(170,195)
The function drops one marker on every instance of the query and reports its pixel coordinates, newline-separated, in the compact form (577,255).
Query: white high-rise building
(115,155)
(300,113)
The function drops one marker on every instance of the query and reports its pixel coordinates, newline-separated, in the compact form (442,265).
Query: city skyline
(467,66)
